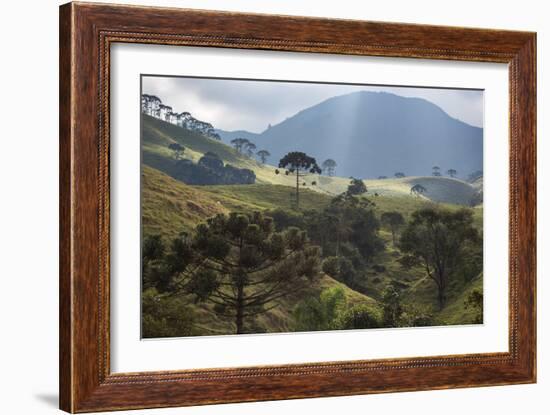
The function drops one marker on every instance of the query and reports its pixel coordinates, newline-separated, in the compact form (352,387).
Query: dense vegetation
(221,258)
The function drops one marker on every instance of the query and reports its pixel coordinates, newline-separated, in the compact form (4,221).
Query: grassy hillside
(455,312)
(157,135)
(169,207)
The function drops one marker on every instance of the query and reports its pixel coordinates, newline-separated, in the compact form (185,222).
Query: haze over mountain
(371,134)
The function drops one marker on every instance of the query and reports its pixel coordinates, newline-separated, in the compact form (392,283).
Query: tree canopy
(437,239)
(239,143)
(263,155)
(394,220)
(250,148)
(300,165)
(329,165)
(240,264)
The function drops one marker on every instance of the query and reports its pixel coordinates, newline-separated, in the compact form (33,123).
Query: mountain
(227,136)
(371,134)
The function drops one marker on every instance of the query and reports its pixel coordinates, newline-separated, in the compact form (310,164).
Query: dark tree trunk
(297,189)
(441,299)
(239,320)
(441,292)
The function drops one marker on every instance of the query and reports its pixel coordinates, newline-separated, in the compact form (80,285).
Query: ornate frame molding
(87,32)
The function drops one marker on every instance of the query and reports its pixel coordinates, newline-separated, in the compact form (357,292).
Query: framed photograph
(260,207)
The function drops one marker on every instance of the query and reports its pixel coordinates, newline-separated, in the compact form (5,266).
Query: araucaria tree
(178,150)
(263,155)
(393,220)
(250,148)
(399,174)
(451,172)
(329,165)
(238,263)
(436,171)
(300,165)
(239,143)
(437,239)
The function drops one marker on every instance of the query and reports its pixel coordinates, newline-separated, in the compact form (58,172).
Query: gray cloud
(252,105)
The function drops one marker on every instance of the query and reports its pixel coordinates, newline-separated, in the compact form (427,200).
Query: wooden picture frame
(86,33)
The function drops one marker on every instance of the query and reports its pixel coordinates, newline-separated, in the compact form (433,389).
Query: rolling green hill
(170,206)
(157,135)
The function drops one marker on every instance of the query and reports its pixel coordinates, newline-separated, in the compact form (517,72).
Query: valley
(171,208)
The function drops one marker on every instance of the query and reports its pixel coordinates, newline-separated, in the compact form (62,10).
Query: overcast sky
(252,105)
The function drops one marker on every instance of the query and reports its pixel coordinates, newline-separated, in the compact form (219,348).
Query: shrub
(360,316)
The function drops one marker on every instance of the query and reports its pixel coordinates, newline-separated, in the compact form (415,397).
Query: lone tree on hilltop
(451,172)
(437,240)
(418,190)
(393,220)
(301,165)
(250,148)
(329,165)
(436,171)
(239,143)
(178,150)
(356,187)
(263,155)
(238,263)
(399,175)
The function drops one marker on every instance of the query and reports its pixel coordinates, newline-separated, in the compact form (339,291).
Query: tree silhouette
(418,190)
(263,155)
(356,187)
(178,150)
(451,172)
(328,167)
(436,171)
(436,239)
(238,263)
(250,148)
(399,174)
(301,165)
(394,220)
(382,177)
(239,143)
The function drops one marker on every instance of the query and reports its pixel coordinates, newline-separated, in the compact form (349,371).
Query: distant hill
(371,134)
(227,136)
